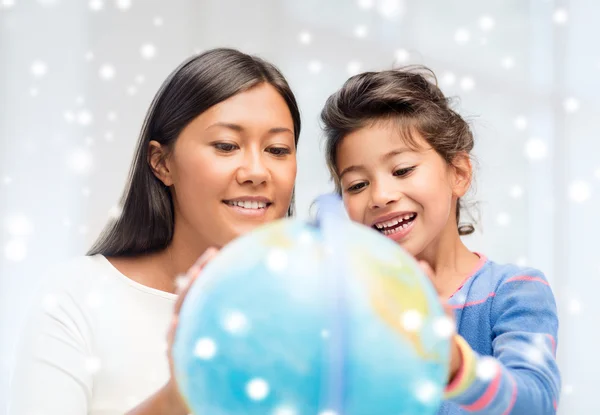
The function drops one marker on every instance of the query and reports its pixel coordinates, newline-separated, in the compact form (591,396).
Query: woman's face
(233,167)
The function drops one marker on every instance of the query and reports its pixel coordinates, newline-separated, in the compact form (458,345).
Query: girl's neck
(451,261)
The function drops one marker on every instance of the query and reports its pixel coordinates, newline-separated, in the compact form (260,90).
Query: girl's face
(233,167)
(407,193)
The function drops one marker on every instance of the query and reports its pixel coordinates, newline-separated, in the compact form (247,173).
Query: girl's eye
(403,172)
(356,187)
(225,147)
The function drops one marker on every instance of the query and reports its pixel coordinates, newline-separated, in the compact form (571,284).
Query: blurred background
(77,76)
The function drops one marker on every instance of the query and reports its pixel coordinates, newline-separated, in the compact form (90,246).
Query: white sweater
(94,344)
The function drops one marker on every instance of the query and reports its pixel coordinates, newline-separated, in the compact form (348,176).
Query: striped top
(507,322)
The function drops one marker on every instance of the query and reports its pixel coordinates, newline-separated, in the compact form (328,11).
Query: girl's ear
(159,163)
(462,173)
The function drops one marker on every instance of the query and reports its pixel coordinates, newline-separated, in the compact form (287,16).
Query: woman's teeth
(246,204)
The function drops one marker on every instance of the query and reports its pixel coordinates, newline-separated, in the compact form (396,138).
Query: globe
(323,317)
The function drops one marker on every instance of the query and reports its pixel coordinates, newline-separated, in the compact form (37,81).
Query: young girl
(216,158)
(399,156)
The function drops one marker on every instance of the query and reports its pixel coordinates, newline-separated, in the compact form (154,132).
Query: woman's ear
(158,160)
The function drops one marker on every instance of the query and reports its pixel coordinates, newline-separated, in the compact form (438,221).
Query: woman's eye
(279,151)
(225,147)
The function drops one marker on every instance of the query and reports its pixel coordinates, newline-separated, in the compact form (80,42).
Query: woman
(216,158)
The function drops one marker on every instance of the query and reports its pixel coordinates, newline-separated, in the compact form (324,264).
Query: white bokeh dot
(7,180)
(93,365)
(521,122)
(486,23)
(305,238)
(314,66)
(39,69)
(412,320)
(304,37)
(96,5)
(575,307)
(69,116)
(444,327)
(111,116)
(123,4)
(486,369)
(148,51)
(568,389)
(139,79)
(7,4)
(516,191)
(579,191)
(462,36)
(107,72)
(131,90)
(508,62)
(205,348)
(109,136)
(19,225)
(353,68)
(571,105)
(285,410)
(361,31)
(365,4)
(325,334)
(560,16)
(15,250)
(536,149)
(390,9)
(427,391)
(277,260)
(158,21)
(448,79)
(80,161)
(115,212)
(503,219)
(467,83)
(84,117)
(34,92)
(235,322)
(257,389)
(402,56)
(534,354)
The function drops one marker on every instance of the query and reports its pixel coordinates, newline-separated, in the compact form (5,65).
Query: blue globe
(323,318)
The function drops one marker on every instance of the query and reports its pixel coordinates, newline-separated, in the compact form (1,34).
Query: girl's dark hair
(146,221)
(409,97)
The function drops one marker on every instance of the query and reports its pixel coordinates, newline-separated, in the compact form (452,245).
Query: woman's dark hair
(409,97)
(146,221)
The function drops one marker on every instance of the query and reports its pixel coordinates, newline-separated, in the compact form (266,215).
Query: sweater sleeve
(522,376)
(53,368)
